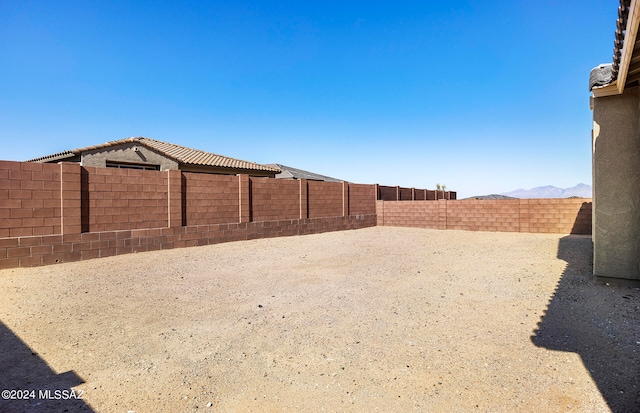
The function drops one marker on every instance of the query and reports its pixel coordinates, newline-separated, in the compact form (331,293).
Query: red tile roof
(180,154)
(621,25)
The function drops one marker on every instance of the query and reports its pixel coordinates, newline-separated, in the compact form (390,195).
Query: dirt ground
(380,319)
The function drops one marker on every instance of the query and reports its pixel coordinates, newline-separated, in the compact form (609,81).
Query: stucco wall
(616,186)
(126,153)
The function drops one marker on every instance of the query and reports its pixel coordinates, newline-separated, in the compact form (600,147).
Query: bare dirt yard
(380,319)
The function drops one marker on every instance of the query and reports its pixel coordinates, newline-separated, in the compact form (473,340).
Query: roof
(621,26)
(180,154)
(288,172)
(624,71)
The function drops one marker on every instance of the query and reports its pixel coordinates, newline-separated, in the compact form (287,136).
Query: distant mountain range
(579,191)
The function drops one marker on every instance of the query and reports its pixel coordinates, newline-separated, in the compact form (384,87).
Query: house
(288,172)
(615,102)
(147,153)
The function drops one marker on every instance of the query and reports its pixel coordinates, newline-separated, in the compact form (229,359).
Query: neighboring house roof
(288,172)
(180,154)
(611,79)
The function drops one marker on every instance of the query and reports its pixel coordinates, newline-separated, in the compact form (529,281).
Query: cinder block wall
(210,199)
(417,214)
(29,199)
(405,194)
(561,216)
(502,216)
(64,212)
(119,199)
(360,197)
(397,193)
(325,199)
(388,193)
(274,199)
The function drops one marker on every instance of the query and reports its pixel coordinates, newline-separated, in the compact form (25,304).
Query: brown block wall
(471,215)
(73,199)
(362,199)
(566,216)
(418,214)
(29,199)
(396,193)
(125,199)
(406,194)
(562,216)
(210,199)
(387,193)
(65,212)
(51,249)
(274,199)
(176,199)
(324,199)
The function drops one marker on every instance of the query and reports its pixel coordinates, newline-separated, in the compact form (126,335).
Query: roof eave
(629,44)
(51,158)
(256,167)
(617,86)
(608,90)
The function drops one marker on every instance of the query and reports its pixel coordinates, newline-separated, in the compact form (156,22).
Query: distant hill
(492,196)
(579,191)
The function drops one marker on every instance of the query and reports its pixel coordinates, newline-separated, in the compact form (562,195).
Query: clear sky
(483,96)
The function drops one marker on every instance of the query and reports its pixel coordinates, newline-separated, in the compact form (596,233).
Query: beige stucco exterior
(139,154)
(128,153)
(616,187)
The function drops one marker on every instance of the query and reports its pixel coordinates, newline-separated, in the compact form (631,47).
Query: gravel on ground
(379,319)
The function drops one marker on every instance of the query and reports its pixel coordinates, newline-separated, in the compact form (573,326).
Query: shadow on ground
(601,323)
(31,384)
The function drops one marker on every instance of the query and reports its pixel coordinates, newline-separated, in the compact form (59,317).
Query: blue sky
(483,96)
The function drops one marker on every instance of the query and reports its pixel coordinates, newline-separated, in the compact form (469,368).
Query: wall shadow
(22,369)
(583,222)
(601,323)
(85,198)
(183,199)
